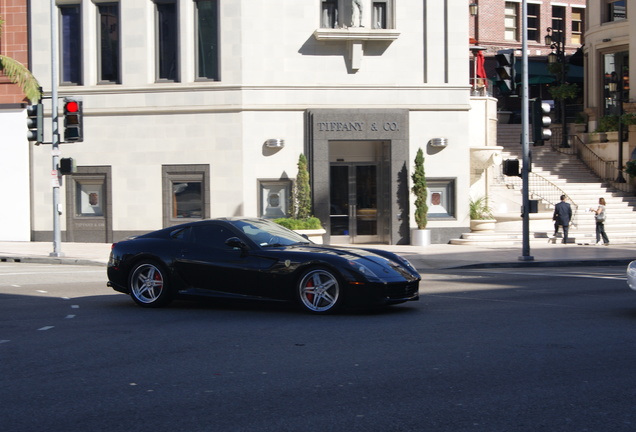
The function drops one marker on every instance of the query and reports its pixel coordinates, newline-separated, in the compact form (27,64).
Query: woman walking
(600,222)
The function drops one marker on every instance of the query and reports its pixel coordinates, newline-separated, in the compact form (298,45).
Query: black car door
(206,262)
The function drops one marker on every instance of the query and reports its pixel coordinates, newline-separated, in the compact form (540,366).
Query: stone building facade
(200,108)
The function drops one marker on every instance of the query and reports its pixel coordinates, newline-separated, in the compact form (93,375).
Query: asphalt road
(483,350)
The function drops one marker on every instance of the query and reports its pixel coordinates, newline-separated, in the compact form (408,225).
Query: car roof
(169,230)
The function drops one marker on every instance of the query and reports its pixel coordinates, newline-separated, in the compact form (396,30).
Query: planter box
(598,137)
(482,224)
(420,237)
(612,136)
(503,117)
(578,128)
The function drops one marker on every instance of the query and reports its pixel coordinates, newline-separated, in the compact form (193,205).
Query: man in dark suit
(562,216)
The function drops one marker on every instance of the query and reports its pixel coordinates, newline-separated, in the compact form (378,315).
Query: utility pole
(56,178)
(525,147)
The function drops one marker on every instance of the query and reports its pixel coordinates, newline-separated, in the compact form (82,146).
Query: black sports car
(243,257)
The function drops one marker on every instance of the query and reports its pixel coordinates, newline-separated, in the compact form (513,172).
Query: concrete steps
(572,176)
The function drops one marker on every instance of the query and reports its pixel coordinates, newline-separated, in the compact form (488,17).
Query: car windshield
(269,234)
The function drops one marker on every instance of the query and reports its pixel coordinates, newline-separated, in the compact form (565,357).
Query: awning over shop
(538,73)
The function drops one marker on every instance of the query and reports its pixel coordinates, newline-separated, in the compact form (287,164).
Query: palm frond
(22,76)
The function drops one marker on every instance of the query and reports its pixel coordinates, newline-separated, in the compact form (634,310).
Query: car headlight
(631,275)
(363,269)
(405,262)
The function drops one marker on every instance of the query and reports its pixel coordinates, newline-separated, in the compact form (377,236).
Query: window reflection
(187,200)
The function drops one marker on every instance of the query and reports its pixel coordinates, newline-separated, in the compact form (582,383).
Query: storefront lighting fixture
(275,143)
(473,8)
(439,142)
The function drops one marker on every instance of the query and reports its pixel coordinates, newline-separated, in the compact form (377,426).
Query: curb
(51,260)
(431,266)
(562,263)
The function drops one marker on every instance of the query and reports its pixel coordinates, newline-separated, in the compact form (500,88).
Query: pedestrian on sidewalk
(599,215)
(562,216)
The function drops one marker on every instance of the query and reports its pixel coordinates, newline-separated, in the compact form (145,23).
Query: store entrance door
(354,214)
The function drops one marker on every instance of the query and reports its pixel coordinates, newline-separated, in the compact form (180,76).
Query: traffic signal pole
(56,178)
(525,145)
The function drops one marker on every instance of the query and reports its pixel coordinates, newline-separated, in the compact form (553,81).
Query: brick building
(14,44)
(497,26)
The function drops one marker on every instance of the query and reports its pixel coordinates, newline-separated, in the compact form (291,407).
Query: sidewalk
(437,256)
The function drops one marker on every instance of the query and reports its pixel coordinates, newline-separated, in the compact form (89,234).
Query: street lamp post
(617,88)
(557,56)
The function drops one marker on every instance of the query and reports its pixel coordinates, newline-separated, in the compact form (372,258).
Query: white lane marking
(41,291)
(75,307)
(46,328)
(70,316)
(4,341)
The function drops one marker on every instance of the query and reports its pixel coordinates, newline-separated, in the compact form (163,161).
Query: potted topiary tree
(420,236)
(301,219)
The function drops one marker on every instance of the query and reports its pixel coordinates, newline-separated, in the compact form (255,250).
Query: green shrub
(309,223)
(564,91)
(301,218)
(630,168)
(420,191)
(608,123)
(479,209)
(301,201)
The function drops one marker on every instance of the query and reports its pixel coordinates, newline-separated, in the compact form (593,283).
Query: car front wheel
(148,285)
(319,291)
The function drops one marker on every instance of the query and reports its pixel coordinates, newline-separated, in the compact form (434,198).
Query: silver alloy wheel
(147,283)
(319,290)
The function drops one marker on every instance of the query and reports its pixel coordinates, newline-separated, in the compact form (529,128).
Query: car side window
(182,234)
(211,235)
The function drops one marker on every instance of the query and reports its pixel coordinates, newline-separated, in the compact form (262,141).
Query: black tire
(148,285)
(319,291)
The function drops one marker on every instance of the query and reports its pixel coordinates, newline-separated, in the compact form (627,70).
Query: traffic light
(511,167)
(73,121)
(505,70)
(35,123)
(67,166)
(540,122)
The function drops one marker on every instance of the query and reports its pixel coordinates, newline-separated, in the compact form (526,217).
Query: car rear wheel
(319,291)
(148,285)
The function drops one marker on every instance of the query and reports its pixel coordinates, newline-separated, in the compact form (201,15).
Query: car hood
(367,257)
(342,251)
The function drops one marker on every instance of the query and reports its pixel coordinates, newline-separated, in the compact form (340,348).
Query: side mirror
(235,242)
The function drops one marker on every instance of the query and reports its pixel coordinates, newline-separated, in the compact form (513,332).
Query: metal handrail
(605,170)
(543,189)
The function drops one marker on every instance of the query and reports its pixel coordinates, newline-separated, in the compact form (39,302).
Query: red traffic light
(71,107)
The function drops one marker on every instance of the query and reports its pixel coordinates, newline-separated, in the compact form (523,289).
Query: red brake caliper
(310,295)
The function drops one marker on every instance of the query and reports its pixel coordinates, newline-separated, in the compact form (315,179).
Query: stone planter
(578,128)
(482,224)
(503,117)
(313,235)
(612,136)
(598,137)
(420,237)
